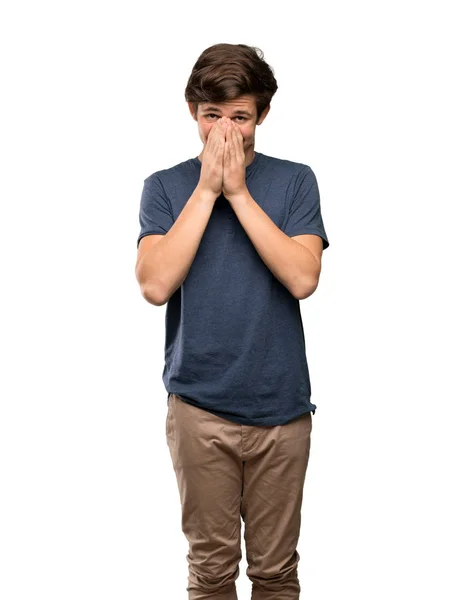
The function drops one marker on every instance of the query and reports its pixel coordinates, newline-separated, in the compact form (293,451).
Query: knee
(274,578)
(206,586)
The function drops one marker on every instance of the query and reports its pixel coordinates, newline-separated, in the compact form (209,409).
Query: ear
(192,110)
(263,115)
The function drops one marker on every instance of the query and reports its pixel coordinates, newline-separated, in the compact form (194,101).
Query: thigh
(205,452)
(274,475)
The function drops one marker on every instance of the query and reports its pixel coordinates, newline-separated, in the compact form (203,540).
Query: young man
(231,240)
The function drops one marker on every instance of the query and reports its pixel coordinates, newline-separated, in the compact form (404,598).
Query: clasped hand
(233,162)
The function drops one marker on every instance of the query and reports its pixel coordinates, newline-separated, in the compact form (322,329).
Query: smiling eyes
(237,117)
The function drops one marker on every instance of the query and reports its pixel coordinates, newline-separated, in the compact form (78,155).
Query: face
(242,111)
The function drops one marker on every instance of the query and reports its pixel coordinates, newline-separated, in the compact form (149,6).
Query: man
(231,240)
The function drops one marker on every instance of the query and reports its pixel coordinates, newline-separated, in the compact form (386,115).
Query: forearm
(165,266)
(290,262)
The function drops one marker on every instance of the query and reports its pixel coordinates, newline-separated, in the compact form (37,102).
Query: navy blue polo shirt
(234,342)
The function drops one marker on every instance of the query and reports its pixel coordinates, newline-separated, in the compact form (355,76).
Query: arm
(163,267)
(291,262)
(296,263)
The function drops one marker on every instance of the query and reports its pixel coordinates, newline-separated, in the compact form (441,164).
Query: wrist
(205,195)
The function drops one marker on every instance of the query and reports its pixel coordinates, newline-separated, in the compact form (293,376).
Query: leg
(205,451)
(274,474)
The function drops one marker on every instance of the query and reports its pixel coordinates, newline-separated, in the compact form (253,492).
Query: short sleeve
(155,214)
(304,213)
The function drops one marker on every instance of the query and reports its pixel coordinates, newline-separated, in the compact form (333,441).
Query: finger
(233,142)
(211,133)
(214,128)
(219,132)
(228,141)
(239,141)
(216,136)
(220,142)
(237,132)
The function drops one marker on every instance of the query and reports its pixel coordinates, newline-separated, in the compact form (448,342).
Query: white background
(93,103)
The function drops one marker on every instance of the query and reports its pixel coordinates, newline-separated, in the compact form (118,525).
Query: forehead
(244,104)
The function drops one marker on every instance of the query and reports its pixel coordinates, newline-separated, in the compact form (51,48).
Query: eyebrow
(236,112)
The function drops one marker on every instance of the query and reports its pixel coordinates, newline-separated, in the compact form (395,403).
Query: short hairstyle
(224,72)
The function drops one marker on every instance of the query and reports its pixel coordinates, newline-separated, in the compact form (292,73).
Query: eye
(237,117)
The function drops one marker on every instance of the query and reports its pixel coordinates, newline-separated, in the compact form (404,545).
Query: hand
(211,174)
(233,162)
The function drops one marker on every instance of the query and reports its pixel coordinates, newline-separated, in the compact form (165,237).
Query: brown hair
(224,72)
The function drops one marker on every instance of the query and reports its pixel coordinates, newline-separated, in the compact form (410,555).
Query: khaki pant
(226,471)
